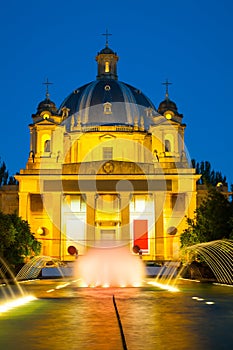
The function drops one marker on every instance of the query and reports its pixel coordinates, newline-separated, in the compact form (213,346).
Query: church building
(107,169)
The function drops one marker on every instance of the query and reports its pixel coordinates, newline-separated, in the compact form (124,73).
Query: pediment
(107,137)
(46,122)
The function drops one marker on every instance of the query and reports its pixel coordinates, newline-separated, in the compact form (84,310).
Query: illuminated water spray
(219,257)
(108,267)
(11,293)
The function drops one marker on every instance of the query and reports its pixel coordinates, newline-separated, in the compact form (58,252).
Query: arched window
(47,146)
(45,143)
(167,146)
(107,108)
(169,143)
(107,68)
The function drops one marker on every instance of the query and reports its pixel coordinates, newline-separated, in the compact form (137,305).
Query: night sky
(188,42)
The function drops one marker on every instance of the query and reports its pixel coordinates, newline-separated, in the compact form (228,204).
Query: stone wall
(9,199)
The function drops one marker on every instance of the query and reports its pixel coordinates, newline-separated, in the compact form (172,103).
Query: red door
(140,229)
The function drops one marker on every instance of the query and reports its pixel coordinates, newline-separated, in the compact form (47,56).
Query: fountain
(218,255)
(110,267)
(143,315)
(8,279)
(11,293)
(34,267)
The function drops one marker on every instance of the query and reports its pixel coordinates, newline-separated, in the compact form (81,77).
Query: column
(24,205)
(125,217)
(90,220)
(159,200)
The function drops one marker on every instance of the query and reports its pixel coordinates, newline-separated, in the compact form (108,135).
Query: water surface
(197,317)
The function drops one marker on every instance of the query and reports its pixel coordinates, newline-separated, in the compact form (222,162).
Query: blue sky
(189,42)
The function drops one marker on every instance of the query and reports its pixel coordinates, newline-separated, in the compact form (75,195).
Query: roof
(124,103)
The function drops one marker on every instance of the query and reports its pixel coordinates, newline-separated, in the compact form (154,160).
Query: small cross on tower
(106,34)
(47,83)
(167,83)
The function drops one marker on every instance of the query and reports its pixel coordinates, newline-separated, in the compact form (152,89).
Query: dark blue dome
(167,105)
(126,103)
(47,105)
(106,50)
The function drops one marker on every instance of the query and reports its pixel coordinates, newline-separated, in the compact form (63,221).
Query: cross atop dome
(167,104)
(47,83)
(167,83)
(106,34)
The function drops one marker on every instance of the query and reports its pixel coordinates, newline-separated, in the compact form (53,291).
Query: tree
(7,233)
(213,220)
(209,176)
(5,179)
(17,242)
(3,174)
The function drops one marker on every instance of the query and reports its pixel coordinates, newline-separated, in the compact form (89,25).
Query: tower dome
(168,108)
(167,105)
(107,50)
(47,105)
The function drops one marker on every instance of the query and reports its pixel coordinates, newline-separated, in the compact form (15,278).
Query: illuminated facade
(107,169)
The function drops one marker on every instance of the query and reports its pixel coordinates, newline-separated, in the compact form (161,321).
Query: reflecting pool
(65,316)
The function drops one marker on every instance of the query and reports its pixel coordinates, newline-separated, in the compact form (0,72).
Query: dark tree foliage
(11,181)
(3,174)
(5,179)
(7,233)
(213,220)
(16,240)
(209,176)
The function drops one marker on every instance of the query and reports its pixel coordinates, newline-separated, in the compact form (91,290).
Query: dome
(108,101)
(47,105)
(167,105)
(107,51)
(125,103)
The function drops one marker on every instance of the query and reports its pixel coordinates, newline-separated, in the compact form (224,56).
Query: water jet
(218,255)
(10,289)
(107,267)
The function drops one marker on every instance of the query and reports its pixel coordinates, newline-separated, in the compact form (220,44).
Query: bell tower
(43,133)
